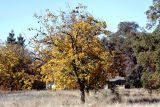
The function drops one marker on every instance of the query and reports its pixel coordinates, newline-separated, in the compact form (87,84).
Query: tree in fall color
(15,68)
(72,56)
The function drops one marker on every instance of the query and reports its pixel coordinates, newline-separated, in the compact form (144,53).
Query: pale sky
(18,14)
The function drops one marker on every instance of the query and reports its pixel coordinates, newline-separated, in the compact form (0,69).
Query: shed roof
(117,78)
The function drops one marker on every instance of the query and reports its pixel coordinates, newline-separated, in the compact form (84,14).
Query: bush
(150,80)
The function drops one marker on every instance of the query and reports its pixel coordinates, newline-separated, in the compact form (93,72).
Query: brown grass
(65,98)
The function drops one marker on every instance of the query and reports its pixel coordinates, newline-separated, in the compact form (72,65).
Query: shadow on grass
(144,100)
(117,98)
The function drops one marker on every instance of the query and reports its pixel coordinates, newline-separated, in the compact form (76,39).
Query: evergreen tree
(10,39)
(20,40)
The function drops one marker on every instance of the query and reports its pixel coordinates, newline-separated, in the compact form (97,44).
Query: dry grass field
(64,98)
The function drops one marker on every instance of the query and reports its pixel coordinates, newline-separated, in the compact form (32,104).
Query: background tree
(20,40)
(16,66)
(146,49)
(122,42)
(10,39)
(153,14)
(13,68)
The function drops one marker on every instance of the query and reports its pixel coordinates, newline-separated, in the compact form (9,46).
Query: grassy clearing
(64,98)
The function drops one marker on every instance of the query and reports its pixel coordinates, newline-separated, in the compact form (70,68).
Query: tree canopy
(77,59)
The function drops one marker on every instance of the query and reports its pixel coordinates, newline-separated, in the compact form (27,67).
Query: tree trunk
(87,91)
(113,88)
(81,87)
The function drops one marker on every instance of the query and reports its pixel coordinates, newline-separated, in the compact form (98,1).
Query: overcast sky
(18,14)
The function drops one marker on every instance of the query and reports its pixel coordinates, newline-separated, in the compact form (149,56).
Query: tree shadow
(117,98)
(127,93)
(138,95)
(144,100)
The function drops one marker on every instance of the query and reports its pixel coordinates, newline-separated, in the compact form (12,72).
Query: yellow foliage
(75,53)
(37,48)
(15,73)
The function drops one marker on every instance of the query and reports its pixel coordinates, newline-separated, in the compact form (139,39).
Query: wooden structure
(117,81)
